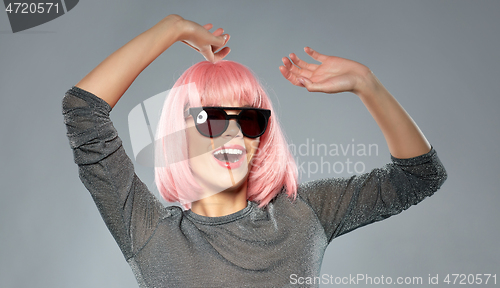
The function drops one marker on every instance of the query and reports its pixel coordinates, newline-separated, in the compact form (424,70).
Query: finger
(290,76)
(208,26)
(310,86)
(218,32)
(208,54)
(287,63)
(296,70)
(227,39)
(315,55)
(285,72)
(301,63)
(187,43)
(332,85)
(224,39)
(222,53)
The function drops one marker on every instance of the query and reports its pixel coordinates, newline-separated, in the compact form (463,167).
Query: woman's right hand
(202,40)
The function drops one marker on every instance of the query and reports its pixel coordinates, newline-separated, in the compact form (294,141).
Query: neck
(223,203)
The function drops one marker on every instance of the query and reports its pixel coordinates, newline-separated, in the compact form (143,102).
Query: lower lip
(234,165)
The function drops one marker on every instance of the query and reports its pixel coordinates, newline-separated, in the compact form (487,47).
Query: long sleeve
(343,205)
(129,210)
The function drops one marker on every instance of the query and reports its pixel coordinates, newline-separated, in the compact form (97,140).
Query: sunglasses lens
(252,123)
(211,122)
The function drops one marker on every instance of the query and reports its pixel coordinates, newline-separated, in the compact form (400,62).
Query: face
(223,162)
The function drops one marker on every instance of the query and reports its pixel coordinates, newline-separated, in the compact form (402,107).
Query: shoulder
(172,212)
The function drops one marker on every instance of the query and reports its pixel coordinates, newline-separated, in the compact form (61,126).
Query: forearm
(112,77)
(404,138)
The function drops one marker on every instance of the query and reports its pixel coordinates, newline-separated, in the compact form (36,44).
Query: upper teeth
(228,151)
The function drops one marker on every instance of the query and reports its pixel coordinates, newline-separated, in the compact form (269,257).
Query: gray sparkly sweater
(254,247)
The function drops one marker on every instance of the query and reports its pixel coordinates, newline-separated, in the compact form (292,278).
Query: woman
(249,223)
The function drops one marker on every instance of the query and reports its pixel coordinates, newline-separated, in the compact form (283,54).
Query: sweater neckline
(222,219)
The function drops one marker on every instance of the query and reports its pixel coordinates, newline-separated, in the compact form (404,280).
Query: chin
(224,184)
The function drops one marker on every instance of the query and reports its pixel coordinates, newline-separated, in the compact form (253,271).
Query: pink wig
(210,84)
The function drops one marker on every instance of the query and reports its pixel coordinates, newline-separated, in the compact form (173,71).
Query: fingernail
(301,81)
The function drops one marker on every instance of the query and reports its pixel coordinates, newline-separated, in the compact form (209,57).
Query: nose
(233,130)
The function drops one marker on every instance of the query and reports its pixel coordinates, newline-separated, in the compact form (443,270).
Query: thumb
(221,40)
(309,85)
(208,54)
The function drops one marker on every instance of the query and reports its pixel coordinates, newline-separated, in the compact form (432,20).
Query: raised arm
(129,210)
(343,205)
(335,74)
(110,79)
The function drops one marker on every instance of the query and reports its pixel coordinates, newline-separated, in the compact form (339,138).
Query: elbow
(438,177)
(70,102)
(442,176)
(434,180)
(437,173)
(65,104)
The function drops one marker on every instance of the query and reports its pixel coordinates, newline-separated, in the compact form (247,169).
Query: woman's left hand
(333,75)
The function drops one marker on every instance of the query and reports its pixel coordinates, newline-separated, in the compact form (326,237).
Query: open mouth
(230,157)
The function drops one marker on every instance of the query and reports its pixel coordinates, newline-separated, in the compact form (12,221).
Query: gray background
(439,58)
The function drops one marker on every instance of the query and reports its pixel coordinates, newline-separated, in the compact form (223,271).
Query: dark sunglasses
(213,121)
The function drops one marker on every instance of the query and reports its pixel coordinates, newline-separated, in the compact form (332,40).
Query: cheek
(190,140)
(196,143)
(252,146)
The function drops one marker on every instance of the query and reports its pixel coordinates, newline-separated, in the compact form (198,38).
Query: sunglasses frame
(194,111)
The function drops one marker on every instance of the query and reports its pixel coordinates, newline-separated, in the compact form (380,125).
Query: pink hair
(273,167)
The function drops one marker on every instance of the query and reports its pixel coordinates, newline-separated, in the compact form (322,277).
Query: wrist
(169,28)
(367,85)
